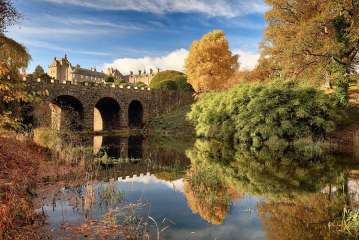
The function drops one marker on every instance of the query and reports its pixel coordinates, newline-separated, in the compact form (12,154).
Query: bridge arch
(67,112)
(107,114)
(135,114)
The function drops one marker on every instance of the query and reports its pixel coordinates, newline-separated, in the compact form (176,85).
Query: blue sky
(134,34)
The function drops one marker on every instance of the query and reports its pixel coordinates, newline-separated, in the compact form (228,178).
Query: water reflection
(264,172)
(211,191)
(135,145)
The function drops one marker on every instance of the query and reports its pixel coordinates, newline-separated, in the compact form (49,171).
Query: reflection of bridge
(104,107)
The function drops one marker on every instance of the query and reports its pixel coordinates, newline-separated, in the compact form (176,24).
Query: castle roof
(88,72)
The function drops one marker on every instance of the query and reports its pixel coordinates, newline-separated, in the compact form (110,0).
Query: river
(161,190)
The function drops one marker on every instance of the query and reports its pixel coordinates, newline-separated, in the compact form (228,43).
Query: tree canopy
(171,80)
(210,63)
(39,72)
(304,38)
(13,57)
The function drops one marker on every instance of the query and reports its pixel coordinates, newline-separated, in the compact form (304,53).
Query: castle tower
(60,69)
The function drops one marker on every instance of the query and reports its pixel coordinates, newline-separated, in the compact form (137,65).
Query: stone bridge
(103,107)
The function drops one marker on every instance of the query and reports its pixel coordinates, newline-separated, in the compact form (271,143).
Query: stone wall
(154,102)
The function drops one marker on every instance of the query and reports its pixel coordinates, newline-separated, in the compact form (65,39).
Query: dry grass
(18,164)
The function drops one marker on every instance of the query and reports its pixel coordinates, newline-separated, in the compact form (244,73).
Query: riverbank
(19,162)
(173,123)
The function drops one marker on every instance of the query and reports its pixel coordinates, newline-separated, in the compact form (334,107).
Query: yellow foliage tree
(210,63)
(13,57)
(303,38)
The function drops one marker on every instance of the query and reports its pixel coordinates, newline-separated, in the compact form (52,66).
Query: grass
(172,123)
(350,223)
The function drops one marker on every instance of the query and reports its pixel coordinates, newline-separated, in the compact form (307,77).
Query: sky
(133,35)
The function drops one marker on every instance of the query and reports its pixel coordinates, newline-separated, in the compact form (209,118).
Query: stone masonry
(154,102)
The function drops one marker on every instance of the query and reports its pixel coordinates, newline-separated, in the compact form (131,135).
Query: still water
(194,191)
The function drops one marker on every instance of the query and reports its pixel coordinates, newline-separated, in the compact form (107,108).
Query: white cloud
(247,60)
(226,8)
(149,179)
(173,61)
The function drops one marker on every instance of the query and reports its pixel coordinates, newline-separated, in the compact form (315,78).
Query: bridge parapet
(85,83)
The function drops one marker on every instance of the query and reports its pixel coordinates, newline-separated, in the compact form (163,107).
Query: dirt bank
(19,160)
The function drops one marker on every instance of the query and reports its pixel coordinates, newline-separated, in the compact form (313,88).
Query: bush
(183,85)
(258,113)
(167,85)
(163,76)
(171,80)
(140,85)
(110,79)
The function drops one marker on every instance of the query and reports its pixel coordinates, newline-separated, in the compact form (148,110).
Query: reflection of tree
(206,188)
(283,173)
(304,218)
(300,169)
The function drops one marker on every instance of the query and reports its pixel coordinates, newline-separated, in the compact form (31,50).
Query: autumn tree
(13,57)
(210,63)
(304,38)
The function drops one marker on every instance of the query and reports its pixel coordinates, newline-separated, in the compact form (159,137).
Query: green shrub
(167,85)
(163,76)
(110,79)
(140,85)
(257,114)
(183,85)
(171,80)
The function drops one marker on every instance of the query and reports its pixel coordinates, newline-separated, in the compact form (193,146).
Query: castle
(141,76)
(61,69)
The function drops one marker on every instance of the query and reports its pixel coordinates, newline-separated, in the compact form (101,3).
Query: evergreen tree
(39,72)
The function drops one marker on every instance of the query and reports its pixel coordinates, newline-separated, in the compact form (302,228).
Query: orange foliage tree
(303,38)
(210,63)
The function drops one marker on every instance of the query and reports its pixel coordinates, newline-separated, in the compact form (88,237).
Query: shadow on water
(211,190)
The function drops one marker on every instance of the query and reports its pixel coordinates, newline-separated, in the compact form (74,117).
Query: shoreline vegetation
(19,162)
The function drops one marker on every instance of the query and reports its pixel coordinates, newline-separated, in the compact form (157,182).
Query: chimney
(131,73)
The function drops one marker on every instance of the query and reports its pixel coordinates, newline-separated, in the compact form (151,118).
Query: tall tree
(210,63)
(303,38)
(39,72)
(13,57)
(8,14)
